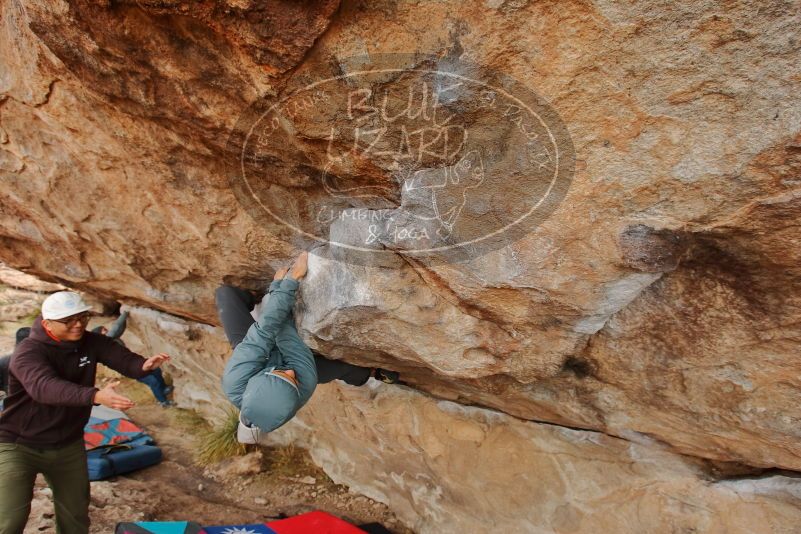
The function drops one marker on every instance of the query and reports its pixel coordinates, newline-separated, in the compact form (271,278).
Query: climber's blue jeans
(155,381)
(234,306)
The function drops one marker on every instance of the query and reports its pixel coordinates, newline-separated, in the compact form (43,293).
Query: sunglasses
(79,318)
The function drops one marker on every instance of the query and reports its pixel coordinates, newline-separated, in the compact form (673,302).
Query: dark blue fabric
(250,529)
(121,459)
(155,381)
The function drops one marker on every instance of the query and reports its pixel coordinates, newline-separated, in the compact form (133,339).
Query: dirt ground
(265,484)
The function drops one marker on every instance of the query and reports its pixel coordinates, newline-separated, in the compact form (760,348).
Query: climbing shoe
(387,377)
(247,434)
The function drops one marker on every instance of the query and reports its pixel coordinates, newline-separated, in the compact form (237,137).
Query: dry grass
(287,461)
(290,462)
(221,443)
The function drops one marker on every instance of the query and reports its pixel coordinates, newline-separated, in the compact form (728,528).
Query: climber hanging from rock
(272,373)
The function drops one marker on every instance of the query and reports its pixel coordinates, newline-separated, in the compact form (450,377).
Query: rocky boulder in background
(444,467)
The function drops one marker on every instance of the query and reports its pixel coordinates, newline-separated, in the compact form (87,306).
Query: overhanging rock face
(661,296)
(443,467)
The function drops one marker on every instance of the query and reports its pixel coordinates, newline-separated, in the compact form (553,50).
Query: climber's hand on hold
(298,270)
(280,273)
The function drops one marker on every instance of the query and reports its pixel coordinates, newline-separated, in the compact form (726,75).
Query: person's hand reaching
(109,397)
(154,362)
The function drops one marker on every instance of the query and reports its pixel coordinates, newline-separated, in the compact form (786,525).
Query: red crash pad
(316,522)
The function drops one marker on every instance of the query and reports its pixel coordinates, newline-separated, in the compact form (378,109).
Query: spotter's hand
(108,397)
(154,362)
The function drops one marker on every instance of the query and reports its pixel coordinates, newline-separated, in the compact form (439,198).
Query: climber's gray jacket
(267,400)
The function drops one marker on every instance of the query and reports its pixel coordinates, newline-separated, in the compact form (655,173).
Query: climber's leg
(233,307)
(328,370)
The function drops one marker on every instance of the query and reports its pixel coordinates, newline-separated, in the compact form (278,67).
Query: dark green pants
(66,473)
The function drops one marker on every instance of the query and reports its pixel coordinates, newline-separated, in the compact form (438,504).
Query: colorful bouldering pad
(159,527)
(111,432)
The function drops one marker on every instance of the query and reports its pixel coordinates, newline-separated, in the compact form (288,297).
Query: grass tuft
(285,460)
(221,443)
(289,461)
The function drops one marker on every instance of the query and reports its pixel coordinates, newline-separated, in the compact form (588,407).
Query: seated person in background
(272,373)
(155,380)
(5,362)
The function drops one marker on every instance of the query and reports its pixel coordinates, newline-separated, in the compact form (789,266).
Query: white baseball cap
(63,304)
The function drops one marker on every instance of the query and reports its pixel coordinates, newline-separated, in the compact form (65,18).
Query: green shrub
(222,443)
